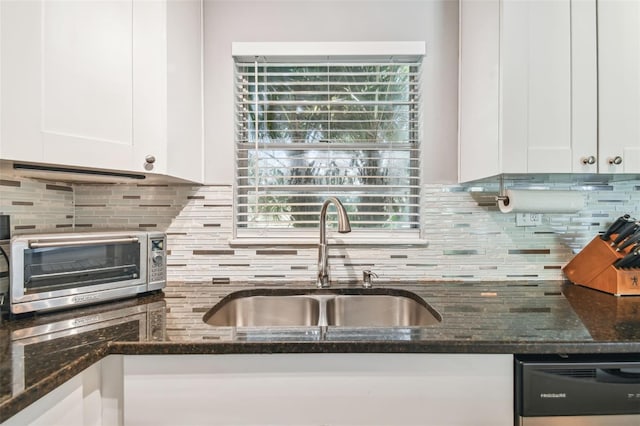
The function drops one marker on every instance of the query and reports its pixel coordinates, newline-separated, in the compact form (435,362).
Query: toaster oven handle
(36,244)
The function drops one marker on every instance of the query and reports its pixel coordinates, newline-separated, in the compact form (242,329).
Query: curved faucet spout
(343,227)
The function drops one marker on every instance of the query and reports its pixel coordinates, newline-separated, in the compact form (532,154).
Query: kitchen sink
(378,311)
(379,307)
(263,311)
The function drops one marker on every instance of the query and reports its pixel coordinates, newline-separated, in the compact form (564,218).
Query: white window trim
(286,50)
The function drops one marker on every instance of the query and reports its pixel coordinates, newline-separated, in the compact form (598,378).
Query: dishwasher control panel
(585,385)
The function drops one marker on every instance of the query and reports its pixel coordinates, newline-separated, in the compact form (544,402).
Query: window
(309,129)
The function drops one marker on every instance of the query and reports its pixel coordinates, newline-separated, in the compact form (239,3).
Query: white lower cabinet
(62,406)
(92,398)
(282,389)
(319,389)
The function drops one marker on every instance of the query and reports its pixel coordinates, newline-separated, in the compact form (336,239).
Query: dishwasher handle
(618,375)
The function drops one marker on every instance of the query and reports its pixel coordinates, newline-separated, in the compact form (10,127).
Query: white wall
(432,21)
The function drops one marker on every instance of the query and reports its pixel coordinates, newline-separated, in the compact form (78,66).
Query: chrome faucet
(343,227)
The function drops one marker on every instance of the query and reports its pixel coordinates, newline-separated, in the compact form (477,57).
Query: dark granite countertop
(39,353)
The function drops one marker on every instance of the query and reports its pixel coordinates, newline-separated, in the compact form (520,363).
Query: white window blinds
(305,131)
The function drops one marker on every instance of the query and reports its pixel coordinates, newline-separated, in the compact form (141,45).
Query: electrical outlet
(528,219)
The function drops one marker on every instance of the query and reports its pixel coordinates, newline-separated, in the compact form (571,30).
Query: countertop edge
(372,346)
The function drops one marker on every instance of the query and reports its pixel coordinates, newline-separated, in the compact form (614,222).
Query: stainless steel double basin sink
(381,307)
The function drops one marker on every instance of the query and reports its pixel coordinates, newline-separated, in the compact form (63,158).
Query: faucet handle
(366,278)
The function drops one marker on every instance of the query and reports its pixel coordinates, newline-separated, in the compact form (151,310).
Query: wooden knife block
(593,267)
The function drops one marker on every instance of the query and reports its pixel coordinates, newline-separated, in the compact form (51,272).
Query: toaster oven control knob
(157,259)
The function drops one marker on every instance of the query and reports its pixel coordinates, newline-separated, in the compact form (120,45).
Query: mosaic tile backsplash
(468,237)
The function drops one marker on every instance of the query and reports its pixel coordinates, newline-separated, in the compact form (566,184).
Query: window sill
(333,241)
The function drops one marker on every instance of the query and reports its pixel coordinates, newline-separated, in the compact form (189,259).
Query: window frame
(323,52)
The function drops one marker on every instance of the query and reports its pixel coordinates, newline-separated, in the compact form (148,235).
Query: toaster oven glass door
(58,268)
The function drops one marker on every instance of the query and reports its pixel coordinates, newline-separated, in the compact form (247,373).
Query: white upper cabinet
(113,84)
(528,101)
(584,83)
(619,86)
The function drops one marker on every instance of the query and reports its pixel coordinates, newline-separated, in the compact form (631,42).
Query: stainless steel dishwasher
(577,390)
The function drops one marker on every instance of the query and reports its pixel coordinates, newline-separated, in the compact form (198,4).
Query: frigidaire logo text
(84,298)
(85,320)
(553,395)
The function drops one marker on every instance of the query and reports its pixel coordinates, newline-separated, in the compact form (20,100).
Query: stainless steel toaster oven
(57,271)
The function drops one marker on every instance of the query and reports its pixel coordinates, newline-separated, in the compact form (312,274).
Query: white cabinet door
(103,84)
(535,58)
(67,92)
(584,83)
(479,89)
(619,85)
(313,389)
(77,402)
(527,87)
(61,407)
(92,398)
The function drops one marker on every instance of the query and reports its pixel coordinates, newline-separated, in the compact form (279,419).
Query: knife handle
(628,260)
(625,231)
(629,241)
(615,226)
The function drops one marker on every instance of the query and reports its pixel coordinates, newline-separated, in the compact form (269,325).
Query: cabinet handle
(617,160)
(588,160)
(150,159)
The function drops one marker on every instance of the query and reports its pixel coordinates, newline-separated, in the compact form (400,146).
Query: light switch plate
(528,219)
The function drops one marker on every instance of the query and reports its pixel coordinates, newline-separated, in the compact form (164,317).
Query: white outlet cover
(528,219)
